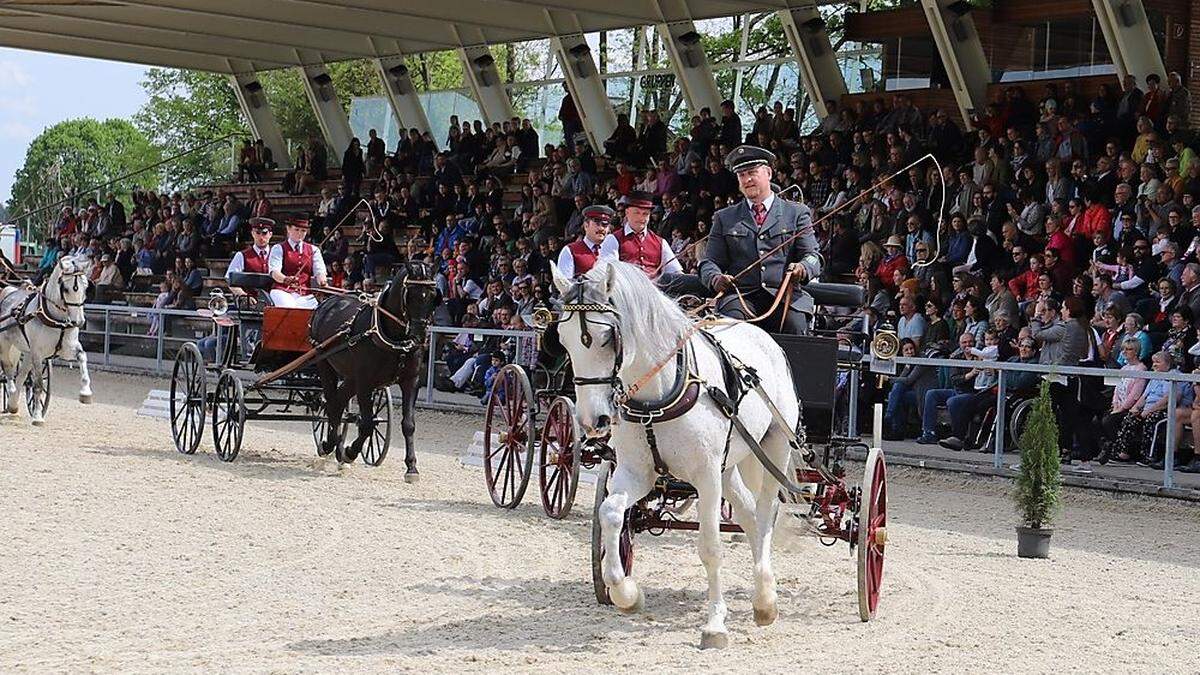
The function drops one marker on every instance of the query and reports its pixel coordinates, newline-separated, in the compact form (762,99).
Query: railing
(1003,367)
(433,357)
(102,321)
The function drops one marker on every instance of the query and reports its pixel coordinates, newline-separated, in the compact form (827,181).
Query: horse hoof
(628,596)
(38,423)
(412,477)
(766,617)
(710,640)
(85,398)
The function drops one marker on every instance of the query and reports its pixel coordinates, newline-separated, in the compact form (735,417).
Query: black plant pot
(1033,542)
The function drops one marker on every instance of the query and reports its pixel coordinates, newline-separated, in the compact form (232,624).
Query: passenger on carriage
(580,255)
(637,244)
(293,264)
(748,230)
(253,259)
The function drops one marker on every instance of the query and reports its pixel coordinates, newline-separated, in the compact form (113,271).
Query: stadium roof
(239,36)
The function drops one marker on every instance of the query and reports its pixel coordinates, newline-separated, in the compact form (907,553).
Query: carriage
(254,376)
(825,365)
(29,389)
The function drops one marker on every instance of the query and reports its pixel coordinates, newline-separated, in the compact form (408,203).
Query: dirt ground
(119,554)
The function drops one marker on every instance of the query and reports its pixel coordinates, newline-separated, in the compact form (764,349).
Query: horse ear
(560,281)
(610,278)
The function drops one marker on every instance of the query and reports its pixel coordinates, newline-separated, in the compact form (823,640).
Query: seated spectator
(1132,441)
(959,384)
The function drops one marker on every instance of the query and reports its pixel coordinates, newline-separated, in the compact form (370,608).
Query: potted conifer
(1038,479)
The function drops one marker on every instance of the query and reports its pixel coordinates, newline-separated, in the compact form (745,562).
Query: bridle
(573,303)
(404,321)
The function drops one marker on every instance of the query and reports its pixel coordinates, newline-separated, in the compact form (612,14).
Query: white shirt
(609,250)
(566,260)
(238,264)
(275,259)
(766,202)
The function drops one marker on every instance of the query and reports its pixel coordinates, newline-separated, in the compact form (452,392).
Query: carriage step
(157,405)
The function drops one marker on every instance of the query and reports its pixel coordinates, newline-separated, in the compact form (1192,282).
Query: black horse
(385,344)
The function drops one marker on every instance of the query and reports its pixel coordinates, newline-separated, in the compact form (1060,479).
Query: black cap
(262,224)
(639,199)
(745,157)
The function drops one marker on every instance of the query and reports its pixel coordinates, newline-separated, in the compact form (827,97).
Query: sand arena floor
(119,554)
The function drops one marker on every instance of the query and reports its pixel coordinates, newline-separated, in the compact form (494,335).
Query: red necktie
(760,214)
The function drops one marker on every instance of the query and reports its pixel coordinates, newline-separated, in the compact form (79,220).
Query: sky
(39,90)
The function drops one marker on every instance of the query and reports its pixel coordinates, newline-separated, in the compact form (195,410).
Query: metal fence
(115,331)
(1003,367)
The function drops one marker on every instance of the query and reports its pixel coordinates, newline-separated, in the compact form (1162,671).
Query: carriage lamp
(886,344)
(542,318)
(218,304)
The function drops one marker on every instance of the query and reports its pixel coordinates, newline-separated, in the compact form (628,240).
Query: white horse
(39,324)
(618,327)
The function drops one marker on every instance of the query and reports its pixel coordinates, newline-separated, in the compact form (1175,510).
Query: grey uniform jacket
(736,242)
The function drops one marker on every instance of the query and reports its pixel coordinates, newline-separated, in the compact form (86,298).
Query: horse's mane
(650,321)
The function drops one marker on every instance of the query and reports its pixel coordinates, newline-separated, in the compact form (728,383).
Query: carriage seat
(249,281)
(835,295)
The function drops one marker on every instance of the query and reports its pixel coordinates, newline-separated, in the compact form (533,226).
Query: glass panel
(440,105)
(1053,49)
(615,55)
(722,38)
(661,93)
(540,103)
(374,112)
(620,93)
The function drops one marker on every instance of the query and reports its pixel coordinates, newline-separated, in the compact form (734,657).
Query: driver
(293,264)
(637,244)
(253,259)
(580,255)
(743,233)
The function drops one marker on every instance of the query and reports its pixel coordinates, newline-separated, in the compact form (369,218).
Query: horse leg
(366,418)
(335,403)
(408,424)
(85,379)
(766,610)
(708,506)
(8,369)
(626,486)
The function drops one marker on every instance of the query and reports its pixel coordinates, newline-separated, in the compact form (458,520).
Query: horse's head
(589,328)
(69,281)
(413,295)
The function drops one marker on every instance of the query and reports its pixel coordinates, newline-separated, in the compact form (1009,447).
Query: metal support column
(587,89)
(1169,451)
(692,69)
(481,73)
(1129,38)
(259,116)
(1001,410)
(819,70)
(398,86)
(962,54)
(335,125)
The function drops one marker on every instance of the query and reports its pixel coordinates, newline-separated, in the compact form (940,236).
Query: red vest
(644,251)
(254,263)
(297,265)
(583,255)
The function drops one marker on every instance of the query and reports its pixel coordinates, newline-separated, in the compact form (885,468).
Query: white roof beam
(110,51)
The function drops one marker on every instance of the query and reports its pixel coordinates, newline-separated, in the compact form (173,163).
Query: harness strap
(660,467)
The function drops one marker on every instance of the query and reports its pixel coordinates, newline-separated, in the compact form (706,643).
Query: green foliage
(1039,484)
(70,157)
(185,109)
(284,90)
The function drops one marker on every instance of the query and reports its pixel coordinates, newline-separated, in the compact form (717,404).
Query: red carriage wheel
(559,458)
(598,540)
(872,533)
(508,437)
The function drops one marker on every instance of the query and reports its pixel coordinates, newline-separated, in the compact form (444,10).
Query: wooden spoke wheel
(872,533)
(29,391)
(598,538)
(508,437)
(559,458)
(228,416)
(375,448)
(189,392)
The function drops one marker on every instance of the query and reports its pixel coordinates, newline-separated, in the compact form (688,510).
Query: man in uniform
(293,265)
(253,259)
(580,255)
(748,230)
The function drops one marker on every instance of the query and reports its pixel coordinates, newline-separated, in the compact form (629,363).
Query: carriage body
(254,341)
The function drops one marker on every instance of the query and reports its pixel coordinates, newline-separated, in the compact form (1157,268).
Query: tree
(1038,479)
(185,109)
(71,157)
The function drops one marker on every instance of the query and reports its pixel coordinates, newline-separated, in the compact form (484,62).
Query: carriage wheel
(872,533)
(188,396)
(375,448)
(229,416)
(45,388)
(598,538)
(510,416)
(559,458)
